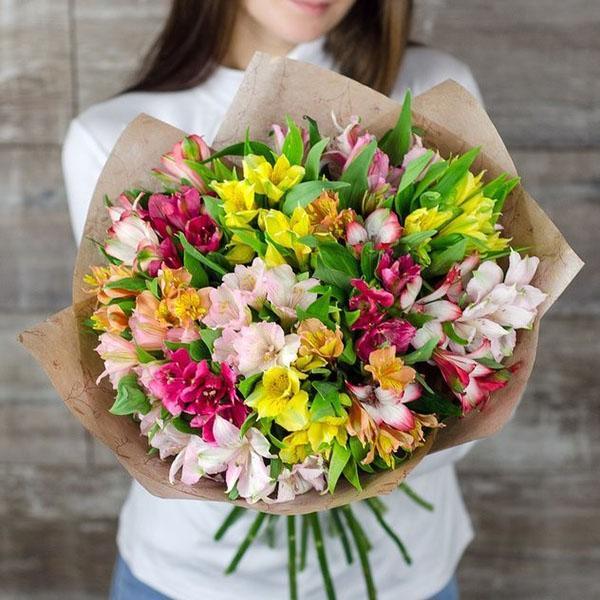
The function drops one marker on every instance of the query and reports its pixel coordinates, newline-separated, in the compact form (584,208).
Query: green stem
(320,548)
(342,533)
(291,531)
(359,540)
(303,542)
(390,532)
(415,497)
(271,530)
(252,532)
(232,517)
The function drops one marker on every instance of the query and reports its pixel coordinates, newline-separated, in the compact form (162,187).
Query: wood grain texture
(533,490)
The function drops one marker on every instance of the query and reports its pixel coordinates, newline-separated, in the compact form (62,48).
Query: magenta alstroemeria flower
(183,385)
(388,406)
(203,233)
(169,254)
(170,213)
(401,277)
(470,381)
(395,332)
(370,301)
(192,148)
(381,227)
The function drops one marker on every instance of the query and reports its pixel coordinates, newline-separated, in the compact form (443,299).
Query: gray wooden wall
(534,490)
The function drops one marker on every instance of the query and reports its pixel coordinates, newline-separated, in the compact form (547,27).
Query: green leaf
(448,329)
(397,141)
(314,135)
(275,468)
(312,166)
(422,354)
(131,284)
(490,363)
(143,355)
(351,473)
(432,403)
(455,172)
(418,319)
(336,264)
(348,356)
(247,384)
(193,265)
(304,193)
(330,394)
(356,176)
(435,171)
(204,259)
(152,285)
(251,238)
(257,148)
(182,425)
(321,408)
(442,261)
(351,316)
(293,146)
(130,397)
(209,336)
(202,170)
(414,169)
(319,309)
(249,421)
(412,240)
(337,463)
(369,257)
(214,208)
(198,350)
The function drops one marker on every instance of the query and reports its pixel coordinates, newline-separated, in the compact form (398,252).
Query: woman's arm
(82,162)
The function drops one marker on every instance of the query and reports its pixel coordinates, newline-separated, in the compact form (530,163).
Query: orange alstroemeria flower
(389,370)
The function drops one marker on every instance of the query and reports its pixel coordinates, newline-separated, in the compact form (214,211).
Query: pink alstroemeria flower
(263,345)
(499,304)
(308,475)
(227,309)
(169,254)
(127,236)
(286,294)
(167,439)
(470,381)
(370,301)
(401,277)
(170,213)
(119,356)
(192,148)
(223,350)
(381,227)
(395,332)
(239,458)
(148,332)
(388,406)
(250,281)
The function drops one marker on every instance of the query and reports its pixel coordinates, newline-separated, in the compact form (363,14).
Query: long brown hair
(367,45)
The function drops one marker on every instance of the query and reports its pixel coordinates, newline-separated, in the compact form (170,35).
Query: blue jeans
(125,586)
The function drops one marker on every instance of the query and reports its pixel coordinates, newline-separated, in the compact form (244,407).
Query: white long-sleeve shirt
(168,543)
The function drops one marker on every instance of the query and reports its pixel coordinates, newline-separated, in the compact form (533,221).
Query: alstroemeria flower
(381,227)
(325,216)
(238,202)
(401,277)
(119,356)
(271,180)
(395,332)
(286,232)
(286,294)
(192,148)
(499,304)
(389,370)
(170,213)
(127,237)
(240,458)
(98,278)
(308,475)
(278,396)
(470,381)
(227,309)
(370,301)
(167,439)
(250,281)
(203,233)
(111,318)
(388,406)
(223,350)
(148,331)
(317,340)
(263,345)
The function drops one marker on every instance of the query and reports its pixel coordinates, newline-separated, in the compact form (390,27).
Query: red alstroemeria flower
(170,213)
(369,301)
(395,332)
(203,233)
(471,382)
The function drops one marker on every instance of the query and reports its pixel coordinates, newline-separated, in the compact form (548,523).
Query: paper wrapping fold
(272,88)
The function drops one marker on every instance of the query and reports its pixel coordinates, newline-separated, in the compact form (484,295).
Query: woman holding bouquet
(166,547)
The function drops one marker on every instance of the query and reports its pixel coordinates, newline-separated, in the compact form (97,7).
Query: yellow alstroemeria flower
(469,186)
(425,219)
(318,344)
(322,433)
(278,396)
(389,370)
(271,180)
(238,202)
(285,232)
(295,447)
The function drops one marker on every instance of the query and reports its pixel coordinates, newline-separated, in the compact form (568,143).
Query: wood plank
(35,71)
(538,64)
(109,48)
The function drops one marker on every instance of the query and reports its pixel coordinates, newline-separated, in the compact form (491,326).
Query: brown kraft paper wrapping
(274,87)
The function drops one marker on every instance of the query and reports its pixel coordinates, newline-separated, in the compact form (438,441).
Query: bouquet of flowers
(292,318)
